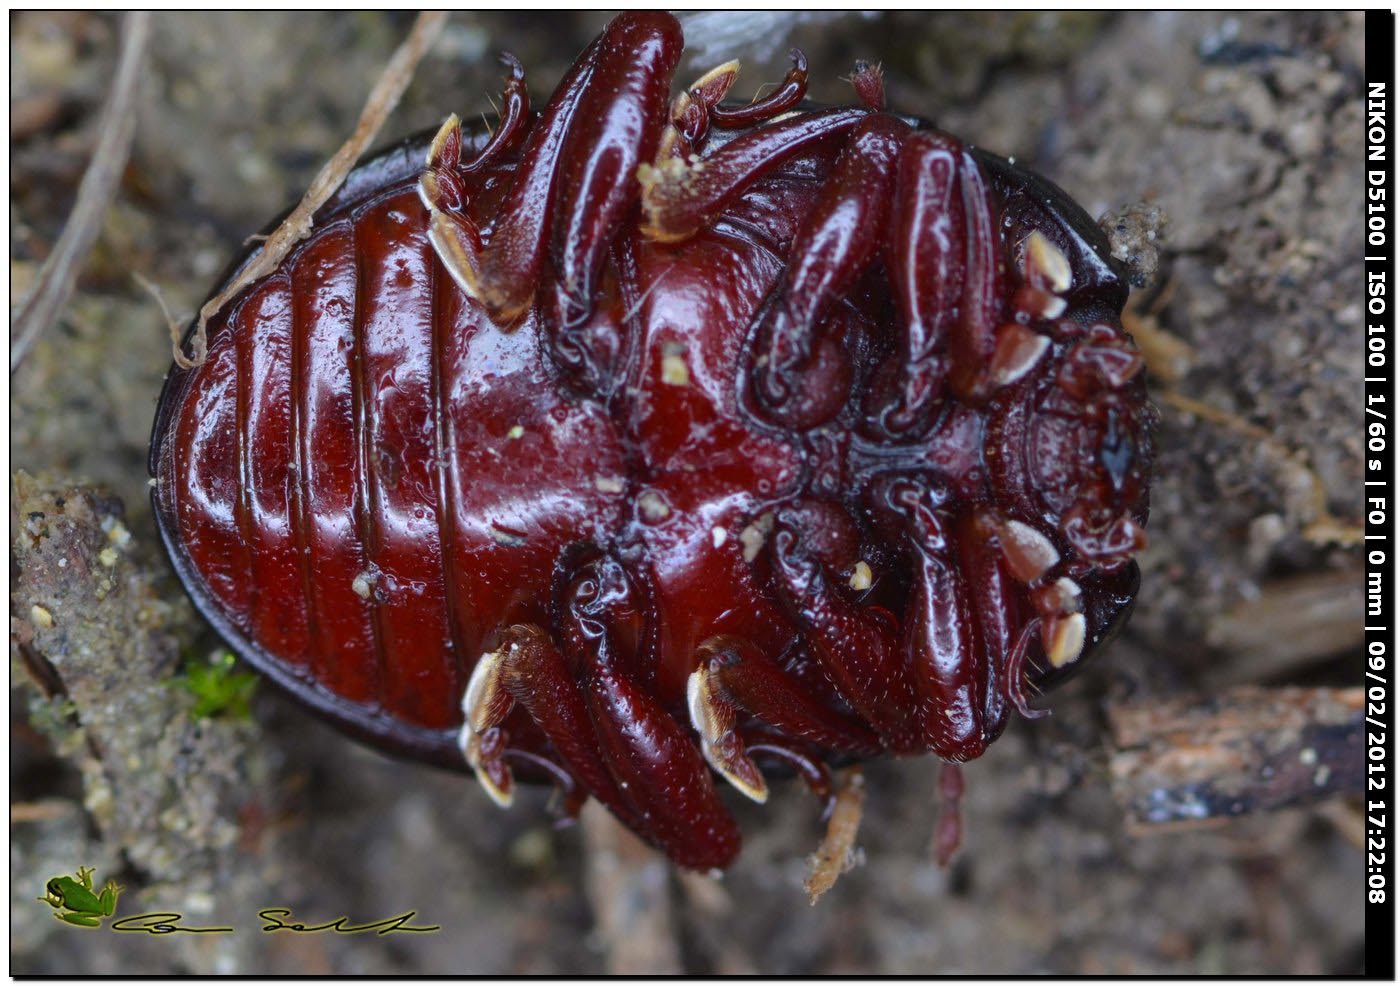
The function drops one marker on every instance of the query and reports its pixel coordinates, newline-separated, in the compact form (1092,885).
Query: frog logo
(76,902)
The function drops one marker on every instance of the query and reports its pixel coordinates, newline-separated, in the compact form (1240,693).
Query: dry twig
(115,129)
(382,99)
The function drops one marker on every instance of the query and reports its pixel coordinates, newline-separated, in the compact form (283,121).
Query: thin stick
(381,102)
(115,130)
(1326,528)
(175,325)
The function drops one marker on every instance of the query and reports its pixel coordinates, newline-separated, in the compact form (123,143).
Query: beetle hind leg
(652,760)
(485,705)
(526,667)
(582,690)
(455,236)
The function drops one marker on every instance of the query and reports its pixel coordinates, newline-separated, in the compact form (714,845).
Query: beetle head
(1090,447)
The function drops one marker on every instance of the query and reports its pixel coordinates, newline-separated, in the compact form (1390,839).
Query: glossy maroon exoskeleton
(648,436)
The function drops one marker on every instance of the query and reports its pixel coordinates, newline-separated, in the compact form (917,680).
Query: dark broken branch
(1181,761)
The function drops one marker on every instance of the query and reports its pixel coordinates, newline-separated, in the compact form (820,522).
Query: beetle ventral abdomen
(660,446)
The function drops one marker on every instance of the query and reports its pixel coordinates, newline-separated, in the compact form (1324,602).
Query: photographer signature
(277,918)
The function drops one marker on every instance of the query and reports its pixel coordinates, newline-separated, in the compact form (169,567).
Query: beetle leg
(948,830)
(689,123)
(502,276)
(515,109)
(742,674)
(637,51)
(681,197)
(927,263)
(616,125)
(815,774)
(997,612)
(656,766)
(974,336)
(938,630)
(485,705)
(786,96)
(526,667)
(869,83)
(989,351)
(455,237)
(1032,559)
(734,675)
(693,111)
(713,714)
(854,644)
(797,375)
(1064,625)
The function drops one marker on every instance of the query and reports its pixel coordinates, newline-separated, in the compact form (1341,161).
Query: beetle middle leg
(694,111)
(796,376)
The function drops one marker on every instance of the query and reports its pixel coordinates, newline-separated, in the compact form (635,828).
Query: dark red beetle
(648,436)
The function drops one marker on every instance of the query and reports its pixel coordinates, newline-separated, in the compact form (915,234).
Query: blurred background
(1190,807)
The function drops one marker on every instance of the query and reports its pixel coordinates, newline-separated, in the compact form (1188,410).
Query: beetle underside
(651,437)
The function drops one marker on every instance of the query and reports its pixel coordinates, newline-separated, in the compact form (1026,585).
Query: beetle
(648,441)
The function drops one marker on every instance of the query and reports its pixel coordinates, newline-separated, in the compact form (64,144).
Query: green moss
(219,689)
